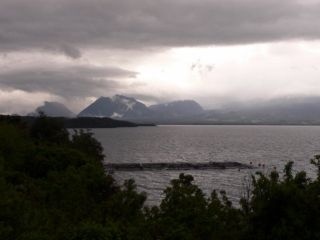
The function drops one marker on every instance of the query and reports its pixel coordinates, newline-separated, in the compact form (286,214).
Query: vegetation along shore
(53,186)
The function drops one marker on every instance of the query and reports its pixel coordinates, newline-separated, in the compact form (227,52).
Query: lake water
(271,146)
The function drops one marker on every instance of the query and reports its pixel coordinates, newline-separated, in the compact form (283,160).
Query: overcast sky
(212,51)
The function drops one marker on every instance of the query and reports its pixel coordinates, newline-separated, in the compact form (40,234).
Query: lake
(269,146)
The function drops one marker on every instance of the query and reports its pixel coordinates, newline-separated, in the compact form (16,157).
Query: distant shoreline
(82,122)
(105,122)
(238,124)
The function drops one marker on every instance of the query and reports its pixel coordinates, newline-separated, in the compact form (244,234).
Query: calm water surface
(272,146)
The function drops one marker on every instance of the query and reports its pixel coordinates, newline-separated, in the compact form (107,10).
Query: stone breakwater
(175,166)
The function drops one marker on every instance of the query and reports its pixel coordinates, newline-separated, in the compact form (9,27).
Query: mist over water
(271,146)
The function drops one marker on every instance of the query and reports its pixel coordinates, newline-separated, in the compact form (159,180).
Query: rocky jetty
(175,166)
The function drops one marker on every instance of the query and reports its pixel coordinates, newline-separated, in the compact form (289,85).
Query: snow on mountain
(119,107)
(116,115)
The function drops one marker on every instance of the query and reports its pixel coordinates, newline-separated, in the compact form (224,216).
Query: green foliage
(316,162)
(84,141)
(283,209)
(185,213)
(45,129)
(53,186)
(90,231)
(182,210)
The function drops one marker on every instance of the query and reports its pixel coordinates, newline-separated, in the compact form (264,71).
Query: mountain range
(122,107)
(299,110)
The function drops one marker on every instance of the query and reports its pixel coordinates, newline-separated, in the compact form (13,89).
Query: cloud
(71,51)
(82,24)
(66,81)
(200,68)
(148,98)
(53,49)
(19,102)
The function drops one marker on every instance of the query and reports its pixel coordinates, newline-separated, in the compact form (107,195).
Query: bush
(53,186)
(50,183)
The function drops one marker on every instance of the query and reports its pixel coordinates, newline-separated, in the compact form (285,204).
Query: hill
(54,109)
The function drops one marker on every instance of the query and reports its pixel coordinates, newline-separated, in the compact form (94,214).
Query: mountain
(298,110)
(54,109)
(118,107)
(122,107)
(177,109)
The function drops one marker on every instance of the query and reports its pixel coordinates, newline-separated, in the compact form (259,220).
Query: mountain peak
(119,97)
(119,106)
(101,98)
(54,109)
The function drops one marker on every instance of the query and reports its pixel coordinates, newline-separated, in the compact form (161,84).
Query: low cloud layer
(68,26)
(66,82)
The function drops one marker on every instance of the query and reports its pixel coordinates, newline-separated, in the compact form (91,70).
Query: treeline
(53,187)
(79,122)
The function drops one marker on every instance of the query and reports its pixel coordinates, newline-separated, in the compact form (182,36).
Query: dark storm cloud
(67,82)
(68,26)
(70,51)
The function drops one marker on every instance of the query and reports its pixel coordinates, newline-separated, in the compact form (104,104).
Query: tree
(51,131)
